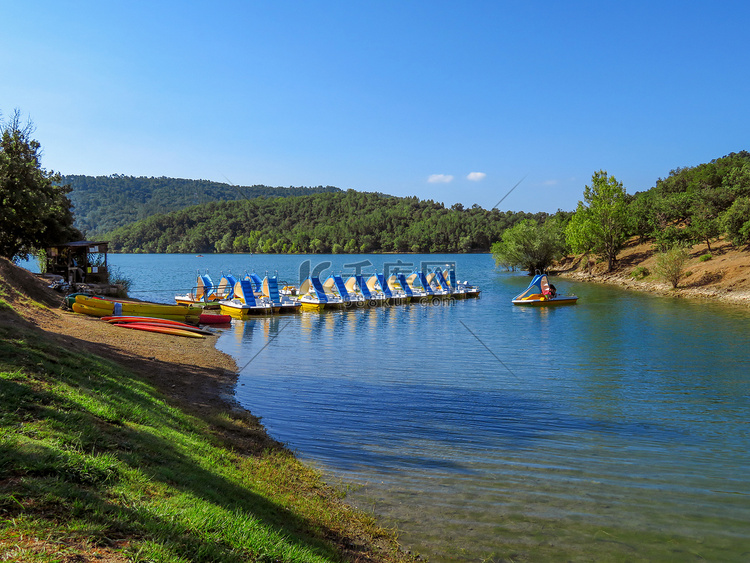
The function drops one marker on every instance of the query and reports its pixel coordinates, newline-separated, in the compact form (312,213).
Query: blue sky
(450,101)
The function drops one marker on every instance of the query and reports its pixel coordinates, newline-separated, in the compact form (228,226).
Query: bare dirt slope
(725,277)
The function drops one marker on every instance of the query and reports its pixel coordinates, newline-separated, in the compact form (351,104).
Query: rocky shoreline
(740,297)
(721,274)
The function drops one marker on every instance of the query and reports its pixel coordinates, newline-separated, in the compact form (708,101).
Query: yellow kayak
(163,329)
(98,312)
(137,307)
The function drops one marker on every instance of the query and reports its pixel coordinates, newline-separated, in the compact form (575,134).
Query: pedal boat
(204,294)
(281,302)
(313,296)
(244,302)
(540,293)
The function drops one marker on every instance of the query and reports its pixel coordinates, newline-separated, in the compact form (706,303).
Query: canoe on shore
(97,312)
(156,322)
(141,308)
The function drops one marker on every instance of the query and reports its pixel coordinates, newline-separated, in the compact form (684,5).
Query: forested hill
(338,222)
(696,204)
(104,203)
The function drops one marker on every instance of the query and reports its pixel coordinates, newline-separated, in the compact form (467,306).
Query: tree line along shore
(698,204)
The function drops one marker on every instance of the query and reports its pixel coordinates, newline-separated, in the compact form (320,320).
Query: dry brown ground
(725,277)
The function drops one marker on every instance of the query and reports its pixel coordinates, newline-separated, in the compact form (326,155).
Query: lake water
(615,429)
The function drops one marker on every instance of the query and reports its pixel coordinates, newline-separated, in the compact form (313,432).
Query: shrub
(639,273)
(669,264)
(705,258)
(116,277)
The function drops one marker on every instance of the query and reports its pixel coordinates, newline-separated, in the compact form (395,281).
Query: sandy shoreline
(189,372)
(194,377)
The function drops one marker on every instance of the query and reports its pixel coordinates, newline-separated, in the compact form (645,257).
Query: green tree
(226,244)
(704,222)
(600,223)
(240,244)
(735,221)
(34,210)
(640,213)
(685,207)
(358,222)
(530,245)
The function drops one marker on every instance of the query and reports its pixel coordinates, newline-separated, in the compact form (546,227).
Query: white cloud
(550,183)
(476,176)
(440,179)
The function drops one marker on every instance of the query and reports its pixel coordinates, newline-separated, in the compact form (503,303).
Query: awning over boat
(452,279)
(363,286)
(257,282)
(225,289)
(441,280)
(271,289)
(205,287)
(425,284)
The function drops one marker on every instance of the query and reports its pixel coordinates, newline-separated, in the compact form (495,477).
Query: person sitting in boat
(552,291)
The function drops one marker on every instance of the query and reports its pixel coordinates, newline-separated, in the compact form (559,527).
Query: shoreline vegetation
(129,447)
(721,274)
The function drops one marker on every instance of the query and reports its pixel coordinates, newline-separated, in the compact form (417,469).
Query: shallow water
(614,429)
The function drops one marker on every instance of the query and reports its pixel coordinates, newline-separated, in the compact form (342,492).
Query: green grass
(93,457)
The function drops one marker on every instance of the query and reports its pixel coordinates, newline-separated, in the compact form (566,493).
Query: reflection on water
(615,428)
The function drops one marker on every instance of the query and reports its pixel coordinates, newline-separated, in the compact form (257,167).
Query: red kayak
(153,320)
(209,319)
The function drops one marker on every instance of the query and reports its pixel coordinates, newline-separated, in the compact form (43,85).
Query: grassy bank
(97,464)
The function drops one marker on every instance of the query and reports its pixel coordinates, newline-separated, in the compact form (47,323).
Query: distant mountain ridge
(105,203)
(347,222)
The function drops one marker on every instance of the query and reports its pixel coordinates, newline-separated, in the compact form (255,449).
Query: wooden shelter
(79,262)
